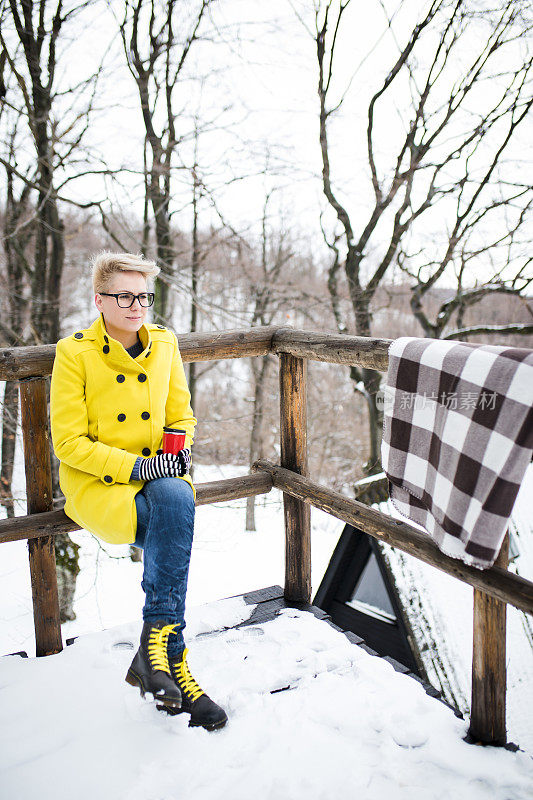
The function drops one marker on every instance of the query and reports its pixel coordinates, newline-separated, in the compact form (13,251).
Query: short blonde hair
(106,264)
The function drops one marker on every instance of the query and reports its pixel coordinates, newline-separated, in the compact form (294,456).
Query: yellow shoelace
(186,681)
(157,647)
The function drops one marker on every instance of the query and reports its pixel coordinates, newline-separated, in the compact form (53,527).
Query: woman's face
(127,320)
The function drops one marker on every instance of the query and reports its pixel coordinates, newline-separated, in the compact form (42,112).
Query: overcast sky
(255,80)
(262,66)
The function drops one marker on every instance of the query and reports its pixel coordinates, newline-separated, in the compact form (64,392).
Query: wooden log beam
(231,489)
(39,499)
(24,362)
(332,347)
(226,344)
(293,435)
(51,523)
(489,670)
(495,581)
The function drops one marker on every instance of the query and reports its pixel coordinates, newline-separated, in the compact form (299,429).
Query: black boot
(194,700)
(150,670)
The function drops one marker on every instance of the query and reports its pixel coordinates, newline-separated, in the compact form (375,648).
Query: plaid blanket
(457,440)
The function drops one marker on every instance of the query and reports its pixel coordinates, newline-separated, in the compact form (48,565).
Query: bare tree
(30,36)
(157,49)
(513,278)
(18,230)
(37,87)
(267,296)
(447,158)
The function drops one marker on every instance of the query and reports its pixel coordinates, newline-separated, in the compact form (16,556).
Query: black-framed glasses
(127,299)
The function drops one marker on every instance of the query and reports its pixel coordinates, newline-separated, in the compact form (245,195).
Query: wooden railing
(493,588)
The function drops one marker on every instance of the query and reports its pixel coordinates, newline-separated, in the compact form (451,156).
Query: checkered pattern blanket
(457,440)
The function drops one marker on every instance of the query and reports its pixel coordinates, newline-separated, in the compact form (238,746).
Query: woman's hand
(184,457)
(166,465)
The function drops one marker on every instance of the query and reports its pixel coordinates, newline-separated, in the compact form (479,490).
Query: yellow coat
(106,409)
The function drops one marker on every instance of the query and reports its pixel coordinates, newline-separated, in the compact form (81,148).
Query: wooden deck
(268,602)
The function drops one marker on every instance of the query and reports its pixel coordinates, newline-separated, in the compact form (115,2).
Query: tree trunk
(16,238)
(136,554)
(9,430)
(66,551)
(67,568)
(48,268)
(165,255)
(159,191)
(195,267)
(256,436)
(371,378)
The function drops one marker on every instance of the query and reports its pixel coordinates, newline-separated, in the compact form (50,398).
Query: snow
(72,726)
(439,608)
(370,479)
(349,725)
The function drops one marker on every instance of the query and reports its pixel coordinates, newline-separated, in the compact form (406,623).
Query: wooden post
(39,499)
(293,410)
(489,672)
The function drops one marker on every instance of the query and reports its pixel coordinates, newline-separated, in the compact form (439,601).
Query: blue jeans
(165,529)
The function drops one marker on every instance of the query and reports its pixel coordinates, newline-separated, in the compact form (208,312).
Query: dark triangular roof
(359,593)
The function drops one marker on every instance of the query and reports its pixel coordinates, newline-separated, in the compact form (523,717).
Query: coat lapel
(112,351)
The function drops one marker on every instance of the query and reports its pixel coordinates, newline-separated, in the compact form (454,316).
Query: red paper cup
(173,440)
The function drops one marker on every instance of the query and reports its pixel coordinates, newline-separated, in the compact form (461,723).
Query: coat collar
(112,350)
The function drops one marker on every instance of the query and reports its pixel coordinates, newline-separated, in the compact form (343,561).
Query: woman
(115,386)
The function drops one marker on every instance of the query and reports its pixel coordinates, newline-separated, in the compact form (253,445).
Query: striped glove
(184,458)
(166,465)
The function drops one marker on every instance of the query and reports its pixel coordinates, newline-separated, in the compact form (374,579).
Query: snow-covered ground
(351,726)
